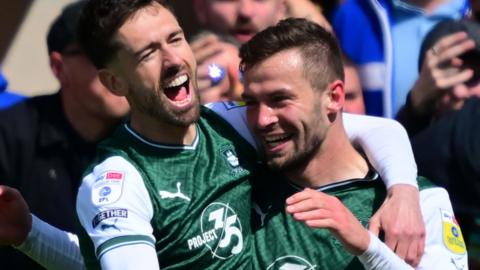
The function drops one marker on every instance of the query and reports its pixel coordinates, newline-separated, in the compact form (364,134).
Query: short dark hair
(62,32)
(319,49)
(99,22)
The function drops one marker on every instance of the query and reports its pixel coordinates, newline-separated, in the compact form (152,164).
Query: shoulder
(234,114)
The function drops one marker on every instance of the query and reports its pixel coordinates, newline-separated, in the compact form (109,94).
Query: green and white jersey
(282,243)
(192,203)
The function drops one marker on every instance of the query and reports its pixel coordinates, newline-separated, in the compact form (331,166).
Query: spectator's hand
(308,10)
(210,50)
(15,218)
(440,86)
(401,220)
(319,210)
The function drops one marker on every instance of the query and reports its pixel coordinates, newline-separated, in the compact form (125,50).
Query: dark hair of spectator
(322,60)
(99,23)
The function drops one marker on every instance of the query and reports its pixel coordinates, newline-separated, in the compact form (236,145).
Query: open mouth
(243,34)
(178,90)
(274,141)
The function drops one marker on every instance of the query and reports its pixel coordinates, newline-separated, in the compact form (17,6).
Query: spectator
(229,24)
(383,38)
(353,88)
(449,66)
(46,142)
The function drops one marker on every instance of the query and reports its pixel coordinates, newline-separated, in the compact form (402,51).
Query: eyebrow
(153,44)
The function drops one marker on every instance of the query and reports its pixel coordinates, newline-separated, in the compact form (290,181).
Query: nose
(171,57)
(245,8)
(265,117)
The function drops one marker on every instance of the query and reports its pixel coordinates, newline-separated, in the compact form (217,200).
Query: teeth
(178,81)
(274,140)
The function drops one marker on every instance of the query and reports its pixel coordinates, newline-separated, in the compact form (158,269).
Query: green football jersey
(283,243)
(192,203)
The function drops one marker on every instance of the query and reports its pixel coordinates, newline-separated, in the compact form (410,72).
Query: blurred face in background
(78,77)
(241,19)
(353,91)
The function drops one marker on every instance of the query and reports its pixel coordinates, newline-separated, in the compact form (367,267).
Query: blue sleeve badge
(452,235)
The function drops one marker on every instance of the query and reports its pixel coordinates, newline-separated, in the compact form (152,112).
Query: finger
(420,249)
(447,80)
(203,41)
(313,214)
(391,241)
(320,223)
(305,205)
(412,253)
(457,50)
(299,196)
(402,248)
(447,41)
(460,92)
(207,53)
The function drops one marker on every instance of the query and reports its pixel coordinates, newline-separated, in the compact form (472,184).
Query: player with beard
(294,92)
(170,187)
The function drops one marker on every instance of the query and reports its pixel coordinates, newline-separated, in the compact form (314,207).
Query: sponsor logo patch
(232,160)
(233,104)
(221,232)
(291,262)
(107,188)
(452,235)
(112,213)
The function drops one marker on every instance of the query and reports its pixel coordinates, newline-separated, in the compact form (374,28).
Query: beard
(298,159)
(156,105)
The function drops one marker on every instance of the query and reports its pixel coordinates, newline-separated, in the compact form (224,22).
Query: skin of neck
(161,131)
(91,127)
(336,160)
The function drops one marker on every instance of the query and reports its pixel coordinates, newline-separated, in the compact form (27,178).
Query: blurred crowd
(417,61)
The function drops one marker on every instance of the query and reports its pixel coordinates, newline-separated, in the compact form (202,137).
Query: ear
(58,68)
(113,82)
(336,94)
(200,9)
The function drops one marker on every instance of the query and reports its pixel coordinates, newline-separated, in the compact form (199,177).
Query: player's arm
(50,247)
(320,210)
(115,210)
(387,147)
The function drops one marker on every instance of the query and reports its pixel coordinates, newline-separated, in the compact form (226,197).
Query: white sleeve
(114,208)
(379,256)
(444,244)
(386,144)
(146,258)
(51,247)
(234,113)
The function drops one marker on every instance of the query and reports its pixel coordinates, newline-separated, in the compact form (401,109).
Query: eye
(147,55)
(279,98)
(249,102)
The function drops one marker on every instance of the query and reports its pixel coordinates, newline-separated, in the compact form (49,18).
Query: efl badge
(452,235)
(233,104)
(107,188)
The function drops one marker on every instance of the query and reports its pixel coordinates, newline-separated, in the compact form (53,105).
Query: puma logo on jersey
(263,215)
(110,226)
(169,195)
